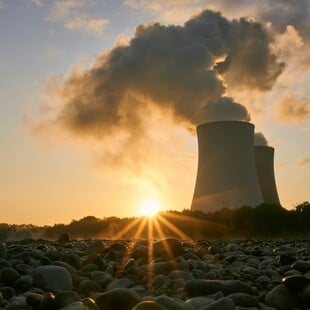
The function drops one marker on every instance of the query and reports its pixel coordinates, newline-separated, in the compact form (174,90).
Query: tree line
(263,221)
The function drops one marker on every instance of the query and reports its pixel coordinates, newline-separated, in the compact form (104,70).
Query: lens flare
(149,207)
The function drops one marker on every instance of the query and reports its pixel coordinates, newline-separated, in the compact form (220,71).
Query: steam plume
(184,70)
(260,139)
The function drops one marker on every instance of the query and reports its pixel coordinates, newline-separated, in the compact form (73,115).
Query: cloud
(86,24)
(2,4)
(179,71)
(260,139)
(37,2)
(293,109)
(282,13)
(304,162)
(169,11)
(72,15)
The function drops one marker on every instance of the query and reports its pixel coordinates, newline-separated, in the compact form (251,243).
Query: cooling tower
(265,173)
(226,176)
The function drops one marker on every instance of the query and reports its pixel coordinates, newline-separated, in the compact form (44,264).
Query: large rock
(295,282)
(51,277)
(305,296)
(3,252)
(78,305)
(119,298)
(172,304)
(9,275)
(120,283)
(204,287)
(168,248)
(301,266)
(281,298)
(149,305)
(65,298)
(244,300)
(199,302)
(223,303)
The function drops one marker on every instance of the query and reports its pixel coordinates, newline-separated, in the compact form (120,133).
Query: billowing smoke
(225,109)
(260,139)
(184,70)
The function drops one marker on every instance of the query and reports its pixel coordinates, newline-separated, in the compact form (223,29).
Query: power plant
(231,171)
(265,172)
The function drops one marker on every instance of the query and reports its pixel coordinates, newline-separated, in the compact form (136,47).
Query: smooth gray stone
(305,295)
(24,282)
(24,269)
(180,274)
(102,278)
(119,298)
(9,275)
(19,301)
(89,303)
(301,266)
(3,251)
(149,305)
(120,283)
(199,302)
(281,298)
(52,277)
(7,292)
(172,304)
(244,300)
(33,299)
(88,286)
(295,282)
(223,303)
(204,287)
(66,298)
(4,263)
(78,305)
(174,245)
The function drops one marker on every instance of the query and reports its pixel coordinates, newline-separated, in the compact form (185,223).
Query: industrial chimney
(226,175)
(265,172)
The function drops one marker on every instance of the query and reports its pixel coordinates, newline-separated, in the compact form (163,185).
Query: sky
(99,99)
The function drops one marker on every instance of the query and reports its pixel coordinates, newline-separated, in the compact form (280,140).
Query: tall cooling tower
(226,176)
(265,173)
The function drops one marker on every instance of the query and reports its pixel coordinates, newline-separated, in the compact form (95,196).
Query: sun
(149,207)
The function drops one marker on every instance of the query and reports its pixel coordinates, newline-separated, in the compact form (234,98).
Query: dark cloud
(282,13)
(180,71)
(173,68)
(260,139)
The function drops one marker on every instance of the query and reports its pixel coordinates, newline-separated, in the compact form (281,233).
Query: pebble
(64,298)
(52,277)
(220,304)
(106,274)
(149,305)
(281,298)
(118,298)
(244,300)
(204,287)
(199,302)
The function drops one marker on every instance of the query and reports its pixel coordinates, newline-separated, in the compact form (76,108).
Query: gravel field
(167,274)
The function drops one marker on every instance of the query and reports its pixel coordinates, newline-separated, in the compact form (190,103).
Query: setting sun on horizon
(149,207)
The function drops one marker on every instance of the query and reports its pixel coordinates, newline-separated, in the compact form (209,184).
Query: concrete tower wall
(226,175)
(264,157)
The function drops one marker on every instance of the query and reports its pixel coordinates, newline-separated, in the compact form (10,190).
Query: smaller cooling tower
(265,172)
(226,176)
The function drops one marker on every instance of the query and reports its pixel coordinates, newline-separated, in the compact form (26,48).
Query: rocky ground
(182,275)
